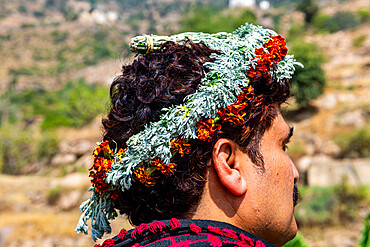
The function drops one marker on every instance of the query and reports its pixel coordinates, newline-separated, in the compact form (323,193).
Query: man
(195,132)
(260,202)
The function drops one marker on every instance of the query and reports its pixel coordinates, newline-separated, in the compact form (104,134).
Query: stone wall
(325,171)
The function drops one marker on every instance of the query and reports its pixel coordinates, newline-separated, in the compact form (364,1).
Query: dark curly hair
(159,80)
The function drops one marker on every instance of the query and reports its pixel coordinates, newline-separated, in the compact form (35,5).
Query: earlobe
(224,162)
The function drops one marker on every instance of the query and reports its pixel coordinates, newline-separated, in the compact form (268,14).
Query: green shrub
(165,8)
(28,25)
(47,146)
(22,8)
(5,37)
(102,50)
(296,31)
(20,148)
(346,20)
(309,8)
(54,194)
(61,54)
(355,144)
(364,15)
(349,200)
(69,14)
(359,41)
(152,27)
(43,54)
(88,48)
(59,37)
(95,47)
(136,17)
(339,21)
(365,239)
(39,13)
(276,18)
(316,207)
(211,19)
(16,149)
(74,105)
(322,23)
(330,205)
(307,83)
(27,71)
(101,35)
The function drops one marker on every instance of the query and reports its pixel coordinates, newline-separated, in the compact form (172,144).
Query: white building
(242,3)
(264,5)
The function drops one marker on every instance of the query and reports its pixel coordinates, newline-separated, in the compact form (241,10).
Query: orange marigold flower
(98,173)
(273,51)
(121,151)
(145,176)
(206,130)
(178,145)
(246,94)
(261,68)
(156,162)
(167,169)
(163,167)
(102,164)
(234,114)
(277,48)
(103,150)
(98,179)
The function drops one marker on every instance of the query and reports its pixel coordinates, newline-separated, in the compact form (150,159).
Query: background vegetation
(214,18)
(75,105)
(308,82)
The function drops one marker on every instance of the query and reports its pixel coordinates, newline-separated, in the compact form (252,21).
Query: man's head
(235,164)
(258,199)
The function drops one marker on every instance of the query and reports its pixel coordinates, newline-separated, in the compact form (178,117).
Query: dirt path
(27,219)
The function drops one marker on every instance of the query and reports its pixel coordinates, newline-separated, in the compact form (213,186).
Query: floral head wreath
(223,95)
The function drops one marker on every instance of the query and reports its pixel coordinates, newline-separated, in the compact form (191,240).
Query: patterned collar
(176,233)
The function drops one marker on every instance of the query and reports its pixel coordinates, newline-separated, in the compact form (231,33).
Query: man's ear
(224,163)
